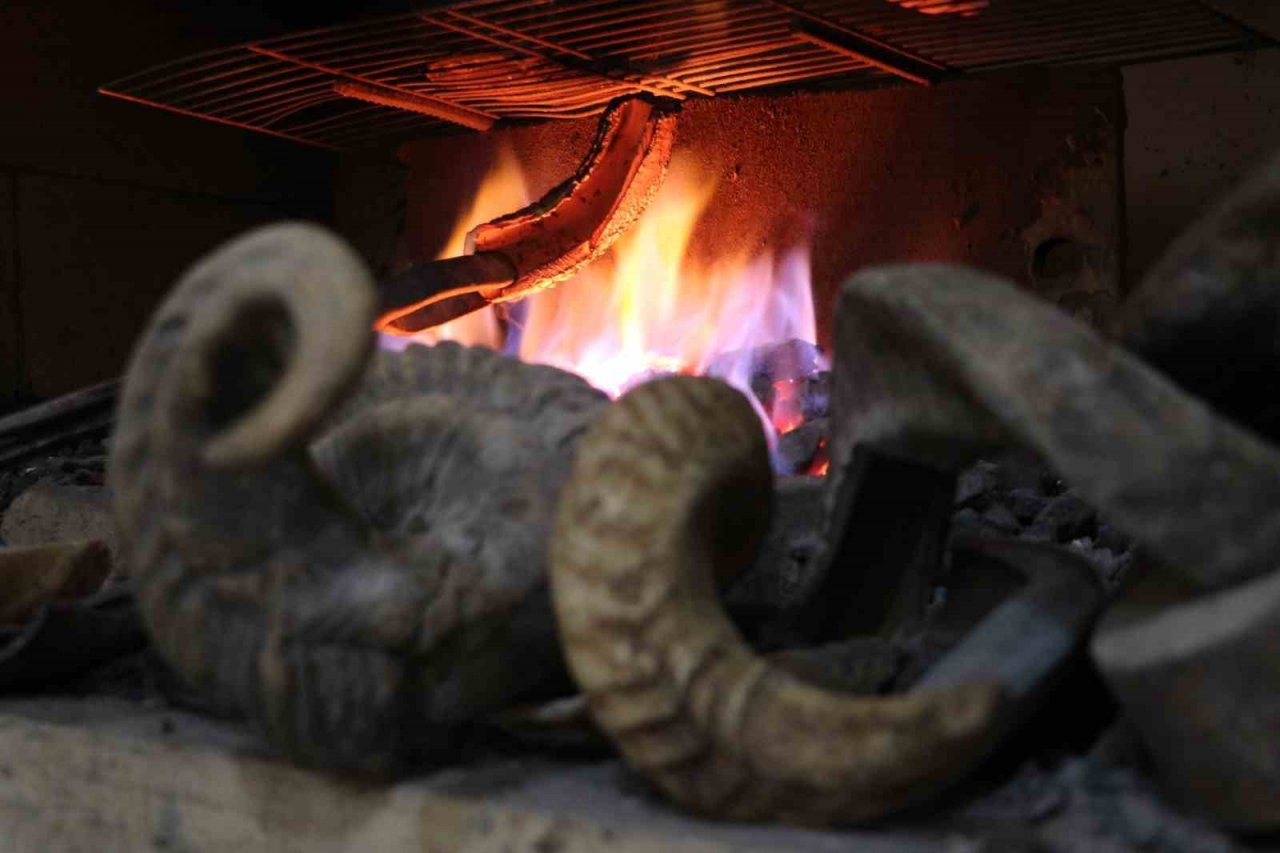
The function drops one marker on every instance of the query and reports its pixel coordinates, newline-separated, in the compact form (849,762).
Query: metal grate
(476,62)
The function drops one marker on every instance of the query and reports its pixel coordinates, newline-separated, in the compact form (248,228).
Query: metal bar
(193,114)
(409,30)
(369,90)
(696,64)
(256,110)
(617,24)
(351,114)
(786,79)
(246,65)
(387,96)
(498,28)
(615,40)
(787,73)
(299,79)
(366,126)
(878,44)
(655,90)
(312,39)
(282,112)
(1032,28)
(594,65)
(696,41)
(1062,51)
(866,51)
(818,63)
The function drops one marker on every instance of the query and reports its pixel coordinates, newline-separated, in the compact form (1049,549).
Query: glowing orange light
(502,191)
(964,8)
(821,462)
(645,308)
(786,410)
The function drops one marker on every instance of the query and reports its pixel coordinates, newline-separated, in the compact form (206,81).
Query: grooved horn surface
(942,362)
(358,578)
(326,293)
(669,489)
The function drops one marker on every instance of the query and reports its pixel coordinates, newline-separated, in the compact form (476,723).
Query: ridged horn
(359,578)
(311,292)
(670,488)
(218,510)
(942,362)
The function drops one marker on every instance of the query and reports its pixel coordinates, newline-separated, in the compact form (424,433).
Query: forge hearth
(669,422)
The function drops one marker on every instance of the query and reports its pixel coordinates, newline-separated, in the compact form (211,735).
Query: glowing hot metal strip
(385,96)
(550,240)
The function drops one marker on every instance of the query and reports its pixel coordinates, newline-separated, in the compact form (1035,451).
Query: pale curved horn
(298,284)
(358,578)
(670,488)
(219,512)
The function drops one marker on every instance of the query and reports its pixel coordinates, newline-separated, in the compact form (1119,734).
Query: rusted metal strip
(387,96)
(569,58)
(868,50)
(370,89)
(209,117)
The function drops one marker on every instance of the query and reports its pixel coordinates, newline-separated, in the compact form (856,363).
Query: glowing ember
(645,308)
(964,8)
(821,462)
(787,411)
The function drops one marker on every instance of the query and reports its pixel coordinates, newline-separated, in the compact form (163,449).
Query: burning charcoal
(1026,504)
(792,359)
(969,525)
(1110,538)
(1000,518)
(966,526)
(815,396)
(975,485)
(796,449)
(1067,517)
(1110,566)
(1016,469)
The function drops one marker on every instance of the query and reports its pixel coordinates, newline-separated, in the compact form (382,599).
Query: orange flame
(645,308)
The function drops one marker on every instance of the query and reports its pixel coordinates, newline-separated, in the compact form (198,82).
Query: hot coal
(791,382)
(1018,498)
(797,450)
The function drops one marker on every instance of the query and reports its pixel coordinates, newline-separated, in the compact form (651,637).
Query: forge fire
(590,425)
(647,309)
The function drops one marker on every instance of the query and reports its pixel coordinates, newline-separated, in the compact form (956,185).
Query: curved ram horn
(359,578)
(939,363)
(670,489)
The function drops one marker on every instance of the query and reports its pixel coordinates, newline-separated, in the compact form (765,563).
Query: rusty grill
(477,62)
